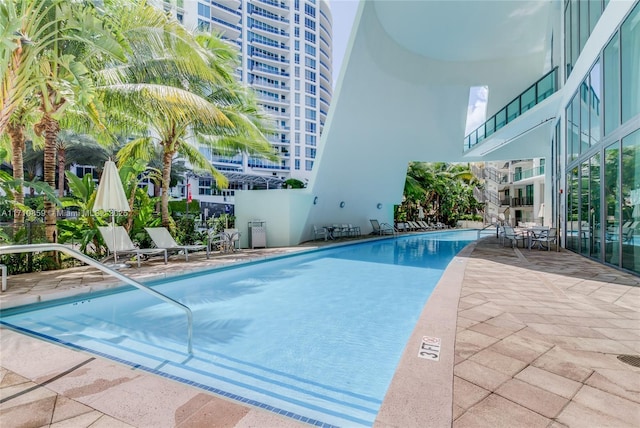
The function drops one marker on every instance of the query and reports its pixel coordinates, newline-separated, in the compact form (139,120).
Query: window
(310,114)
(297,98)
(296,45)
(310,140)
(310,126)
(204,186)
(297,150)
(298,141)
(310,153)
(296,18)
(612,85)
(296,58)
(310,23)
(204,10)
(310,101)
(310,10)
(297,72)
(630,47)
(310,49)
(310,62)
(296,31)
(309,37)
(297,110)
(297,164)
(595,97)
(297,84)
(308,165)
(310,75)
(297,123)
(309,88)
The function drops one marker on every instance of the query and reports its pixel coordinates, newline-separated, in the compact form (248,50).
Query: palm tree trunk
(166,179)
(51,127)
(61,162)
(16,133)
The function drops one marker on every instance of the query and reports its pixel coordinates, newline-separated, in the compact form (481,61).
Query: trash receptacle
(257,234)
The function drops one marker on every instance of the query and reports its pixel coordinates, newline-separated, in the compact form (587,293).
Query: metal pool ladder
(9,249)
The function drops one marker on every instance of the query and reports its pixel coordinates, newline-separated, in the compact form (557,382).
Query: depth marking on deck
(430,348)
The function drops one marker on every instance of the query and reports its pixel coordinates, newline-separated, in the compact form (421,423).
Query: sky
(343,13)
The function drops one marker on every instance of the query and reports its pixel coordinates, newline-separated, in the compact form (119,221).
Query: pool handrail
(31,248)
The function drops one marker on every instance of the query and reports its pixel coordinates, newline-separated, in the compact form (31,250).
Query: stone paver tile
(480,375)
(533,398)
(466,322)
(623,383)
(551,382)
(619,333)
(495,411)
(214,414)
(475,314)
(465,350)
(499,362)
(556,424)
(106,421)
(259,418)
(33,409)
(559,362)
(492,330)
(634,345)
(547,329)
(86,419)
(474,338)
(466,394)
(609,404)
(522,348)
(507,321)
(10,379)
(457,411)
(66,408)
(604,346)
(576,415)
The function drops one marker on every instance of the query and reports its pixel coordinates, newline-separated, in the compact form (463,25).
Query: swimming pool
(316,337)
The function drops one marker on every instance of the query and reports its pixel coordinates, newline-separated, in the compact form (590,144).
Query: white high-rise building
(286,57)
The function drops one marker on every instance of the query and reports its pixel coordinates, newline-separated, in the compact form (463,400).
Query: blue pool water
(315,336)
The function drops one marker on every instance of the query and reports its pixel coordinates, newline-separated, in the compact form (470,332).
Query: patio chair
(163,239)
(509,234)
(544,239)
(382,228)
(321,232)
(119,244)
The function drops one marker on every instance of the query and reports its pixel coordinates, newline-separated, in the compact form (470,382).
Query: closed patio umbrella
(111,197)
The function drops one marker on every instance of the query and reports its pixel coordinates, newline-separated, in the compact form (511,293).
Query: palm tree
(46,54)
(72,147)
(177,89)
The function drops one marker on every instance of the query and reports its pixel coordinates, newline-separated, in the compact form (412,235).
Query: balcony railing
(546,86)
(528,173)
(522,201)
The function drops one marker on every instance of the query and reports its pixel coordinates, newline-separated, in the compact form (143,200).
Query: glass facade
(602,149)
(580,19)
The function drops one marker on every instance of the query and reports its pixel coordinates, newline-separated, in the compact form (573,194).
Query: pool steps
(214,372)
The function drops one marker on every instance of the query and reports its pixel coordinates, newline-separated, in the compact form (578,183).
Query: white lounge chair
(119,244)
(382,228)
(163,239)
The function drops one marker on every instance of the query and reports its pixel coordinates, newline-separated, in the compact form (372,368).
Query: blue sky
(344,12)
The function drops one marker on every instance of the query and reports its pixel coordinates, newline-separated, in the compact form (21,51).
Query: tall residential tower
(286,57)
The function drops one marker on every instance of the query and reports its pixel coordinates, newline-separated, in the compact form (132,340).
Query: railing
(11,249)
(546,86)
(522,201)
(528,173)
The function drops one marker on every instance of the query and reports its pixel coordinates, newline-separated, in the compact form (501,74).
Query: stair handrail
(31,248)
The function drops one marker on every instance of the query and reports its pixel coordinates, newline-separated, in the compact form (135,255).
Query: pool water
(316,337)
